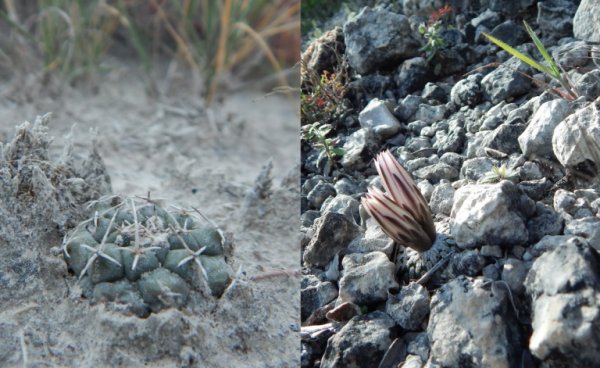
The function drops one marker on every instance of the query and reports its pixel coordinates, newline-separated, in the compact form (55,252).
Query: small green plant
(552,70)
(317,134)
(432,32)
(500,173)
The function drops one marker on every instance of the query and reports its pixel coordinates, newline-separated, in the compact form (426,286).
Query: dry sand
(191,156)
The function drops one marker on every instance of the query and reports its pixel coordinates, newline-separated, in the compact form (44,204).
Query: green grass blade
(554,71)
(519,55)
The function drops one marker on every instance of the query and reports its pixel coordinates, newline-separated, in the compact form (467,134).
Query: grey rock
(488,19)
(586,23)
(345,205)
(429,113)
(442,199)
(418,344)
(550,242)
(412,361)
(362,342)
(510,32)
(589,85)
(320,193)
(467,92)
(412,75)
(437,172)
(314,294)
(564,201)
(374,239)
(506,81)
(545,222)
(476,168)
(470,324)
(434,94)
(377,38)
(530,171)
(486,214)
(507,6)
(453,141)
(555,18)
(407,107)
(491,272)
(494,251)
(514,272)
(345,186)
(574,137)
(377,117)
(415,144)
(566,316)
(366,278)
(587,228)
(410,307)
(426,189)
(453,159)
(504,139)
(572,54)
(537,136)
(307,219)
(357,148)
(535,189)
(332,233)
(417,163)
(468,263)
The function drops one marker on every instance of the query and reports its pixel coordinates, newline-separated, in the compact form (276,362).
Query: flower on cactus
(402,212)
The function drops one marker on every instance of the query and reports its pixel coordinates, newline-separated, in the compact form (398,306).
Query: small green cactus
(499,173)
(133,250)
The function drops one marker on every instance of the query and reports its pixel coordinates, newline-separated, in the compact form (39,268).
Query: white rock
(378,117)
(537,137)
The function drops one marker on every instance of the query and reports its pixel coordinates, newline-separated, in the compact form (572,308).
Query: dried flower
(402,212)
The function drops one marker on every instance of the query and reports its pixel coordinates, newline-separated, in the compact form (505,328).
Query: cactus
(134,250)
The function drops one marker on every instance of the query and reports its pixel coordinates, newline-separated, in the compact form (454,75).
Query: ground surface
(191,156)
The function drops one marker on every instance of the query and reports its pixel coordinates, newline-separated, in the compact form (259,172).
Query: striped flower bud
(402,212)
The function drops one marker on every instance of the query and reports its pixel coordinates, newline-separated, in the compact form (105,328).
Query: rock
(434,94)
(452,141)
(323,54)
(410,307)
(417,344)
(535,189)
(368,87)
(377,117)
(412,76)
(509,32)
(430,114)
(491,272)
(468,262)
(362,342)
(358,148)
(564,201)
(453,159)
(488,19)
(320,193)
(536,139)
(366,278)
(377,38)
(486,214)
(345,205)
(476,168)
(550,242)
(344,312)
(586,23)
(416,144)
(346,186)
(504,139)
(587,228)
(467,92)
(565,306)
(506,81)
(575,138)
(589,85)
(494,251)
(555,18)
(437,172)
(514,273)
(332,234)
(572,54)
(426,189)
(314,294)
(407,107)
(545,222)
(471,327)
(442,199)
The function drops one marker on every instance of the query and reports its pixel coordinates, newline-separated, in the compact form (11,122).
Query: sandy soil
(191,156)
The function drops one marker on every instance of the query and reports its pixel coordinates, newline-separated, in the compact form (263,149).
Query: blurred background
(214,44)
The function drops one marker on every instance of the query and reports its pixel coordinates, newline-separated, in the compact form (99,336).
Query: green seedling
(317,134)
(432,32)
(552,70)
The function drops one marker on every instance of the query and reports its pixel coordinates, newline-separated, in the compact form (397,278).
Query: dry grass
(213,39)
